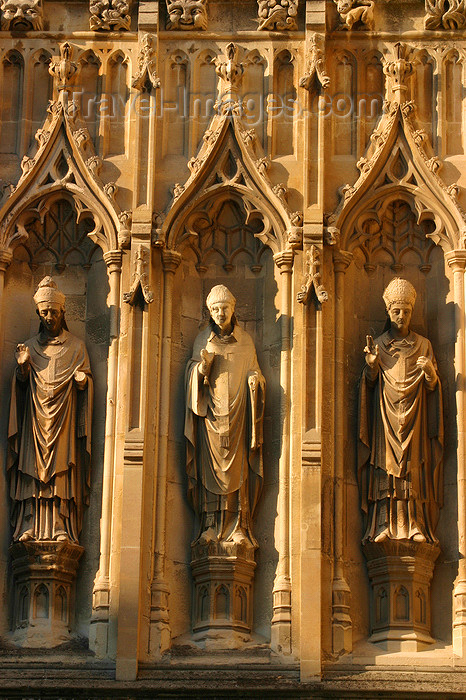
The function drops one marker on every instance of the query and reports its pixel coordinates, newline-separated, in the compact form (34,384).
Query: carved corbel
(187,14)
(124,234)
(22,15)
(273,16)
(445,14)
(316,76)
(140,279)
(62,68)
(354,13)
(313,278)
(109,15)
(146,78)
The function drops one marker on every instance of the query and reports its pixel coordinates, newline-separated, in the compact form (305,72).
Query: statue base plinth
(400,572)
(44,573)
(223,574)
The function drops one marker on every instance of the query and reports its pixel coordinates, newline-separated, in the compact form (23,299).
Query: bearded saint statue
(50,427)
(400,428)
(223,426)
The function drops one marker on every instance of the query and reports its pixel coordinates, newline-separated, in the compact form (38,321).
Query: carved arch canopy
(230,171)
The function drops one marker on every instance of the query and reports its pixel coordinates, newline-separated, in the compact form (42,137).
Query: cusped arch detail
(230,163)
(399,164)
(64,161)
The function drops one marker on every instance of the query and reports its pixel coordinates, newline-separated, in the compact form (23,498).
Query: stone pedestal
(223,576)
(400,572)
(44,573)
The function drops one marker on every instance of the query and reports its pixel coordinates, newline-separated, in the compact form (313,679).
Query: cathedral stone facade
(233,343)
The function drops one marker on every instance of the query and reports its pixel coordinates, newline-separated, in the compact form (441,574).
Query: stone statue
(50,427)
(224,412)
(400,428)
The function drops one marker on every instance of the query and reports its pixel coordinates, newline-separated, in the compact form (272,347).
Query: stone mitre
(47,291)
(399,291)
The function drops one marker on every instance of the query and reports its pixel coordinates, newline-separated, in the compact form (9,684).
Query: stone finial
(62,68)
(445,15)
(22,15)
(187,14)
(109,15)
(277,16)
(398,69)
(228,68)
(355,12)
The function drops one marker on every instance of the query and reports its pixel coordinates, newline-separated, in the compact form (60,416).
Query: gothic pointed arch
(230,166)
(65,163)
(399,167)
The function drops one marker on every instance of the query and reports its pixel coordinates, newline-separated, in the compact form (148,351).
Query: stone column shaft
(98,635)
(281,620)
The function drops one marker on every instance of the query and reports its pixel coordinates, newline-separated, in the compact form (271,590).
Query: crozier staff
(400,428)
(223,426)
(50,427)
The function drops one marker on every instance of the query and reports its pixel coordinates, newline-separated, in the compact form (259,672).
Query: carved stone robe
(49,439)
(400,442)
(222,412)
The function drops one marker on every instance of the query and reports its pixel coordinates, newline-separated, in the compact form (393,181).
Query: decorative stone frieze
(22,15)
(278,17)
(355,14)
(187,14)
(445,14)
(109,15)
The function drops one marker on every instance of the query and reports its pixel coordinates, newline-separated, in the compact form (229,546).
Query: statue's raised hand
(206,362)
(372,352)
(427,367)
(22,355)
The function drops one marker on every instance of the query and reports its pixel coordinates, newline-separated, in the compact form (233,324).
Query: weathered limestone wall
(301,165)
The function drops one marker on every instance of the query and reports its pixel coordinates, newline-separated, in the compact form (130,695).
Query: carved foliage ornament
(316,74)
(445,14)
(277,15)
(109,14)
(140,279)
(22,15)
(146,77)
(355,13)
(62,68)
(313,278)
(187,14)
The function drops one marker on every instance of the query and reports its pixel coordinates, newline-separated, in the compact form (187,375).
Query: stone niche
(400,589)
(230,587)
(52,581)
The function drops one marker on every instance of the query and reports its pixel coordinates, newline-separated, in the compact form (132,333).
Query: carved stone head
(21,15)
(187,14)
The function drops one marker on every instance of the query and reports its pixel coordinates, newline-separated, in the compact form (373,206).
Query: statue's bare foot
(26,536)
